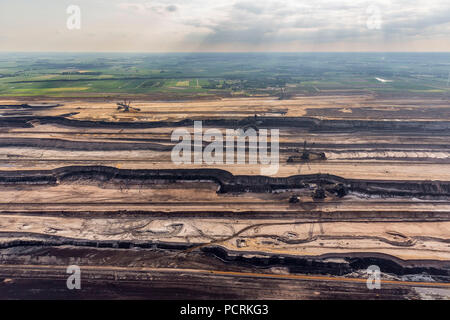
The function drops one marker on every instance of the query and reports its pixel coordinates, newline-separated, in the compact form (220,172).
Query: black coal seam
(352,216)
(155,144)
(228,182)
(311,264)
(29,106)
(317,265)
(309,123)
(48,143)
(22,239)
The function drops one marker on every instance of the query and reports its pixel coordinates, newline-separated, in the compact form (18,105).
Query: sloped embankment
(228,182)
(307,123)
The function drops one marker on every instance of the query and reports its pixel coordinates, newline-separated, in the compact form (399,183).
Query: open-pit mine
(363,181)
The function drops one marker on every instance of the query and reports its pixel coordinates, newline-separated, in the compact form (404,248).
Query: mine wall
(24,239)
(320,265)
(167,145)
(351,262)
(31,106)
(49,143)
(309,123)
(313,214)
(228,183)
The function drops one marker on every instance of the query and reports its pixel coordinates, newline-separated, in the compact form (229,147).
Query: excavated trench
(229,183)
(308,123)
(330,264)
(337,264)
(59,144)
(322,264)
(159,144)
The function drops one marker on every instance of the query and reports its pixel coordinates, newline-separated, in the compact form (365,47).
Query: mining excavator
(307,155)
(126,107)
(251,123)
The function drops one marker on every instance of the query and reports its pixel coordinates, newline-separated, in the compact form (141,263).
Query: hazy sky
(228,25)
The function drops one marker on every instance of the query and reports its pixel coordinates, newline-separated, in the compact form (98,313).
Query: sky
(225,26)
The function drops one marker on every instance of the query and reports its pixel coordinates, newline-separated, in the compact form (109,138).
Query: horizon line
(190,52)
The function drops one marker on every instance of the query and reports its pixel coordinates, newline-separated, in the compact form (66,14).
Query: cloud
(133,7)
(229,25)
(171,8)
(146,7)
(274,22)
